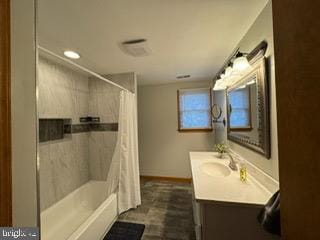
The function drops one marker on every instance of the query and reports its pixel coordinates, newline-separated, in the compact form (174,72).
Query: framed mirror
(248,110)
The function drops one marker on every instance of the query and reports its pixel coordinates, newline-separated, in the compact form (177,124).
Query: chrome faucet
(232,164)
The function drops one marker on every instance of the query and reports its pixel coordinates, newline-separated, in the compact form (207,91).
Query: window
(239,104)
(194,109)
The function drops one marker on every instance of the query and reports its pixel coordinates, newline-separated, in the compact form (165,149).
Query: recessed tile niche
(57,129)
(53,129)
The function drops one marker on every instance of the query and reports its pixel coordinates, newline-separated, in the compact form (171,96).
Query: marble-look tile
(64,167)
(68,163)
(82,157)
(47,189)
(64,163)
(62,155)
(101,149)
(104,101)
(104,98)
(126,80)
(63,93)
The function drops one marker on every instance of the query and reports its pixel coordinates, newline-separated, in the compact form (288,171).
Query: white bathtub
(85,214)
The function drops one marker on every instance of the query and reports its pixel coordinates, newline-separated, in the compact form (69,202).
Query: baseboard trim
(161,178)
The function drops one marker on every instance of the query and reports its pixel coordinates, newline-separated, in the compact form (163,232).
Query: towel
(269,216)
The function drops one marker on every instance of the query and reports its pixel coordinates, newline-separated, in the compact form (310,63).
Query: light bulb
(71,54)
(219,85)
(240,63)
(228,71)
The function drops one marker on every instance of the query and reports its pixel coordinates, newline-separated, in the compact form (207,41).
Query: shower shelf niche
(51,129)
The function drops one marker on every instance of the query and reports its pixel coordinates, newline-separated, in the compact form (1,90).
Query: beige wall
(262,30)
(163,150)
(24,134)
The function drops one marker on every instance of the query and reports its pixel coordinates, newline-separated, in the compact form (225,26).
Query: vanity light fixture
(236,65)
(220,85)
(71,54)
(240,63)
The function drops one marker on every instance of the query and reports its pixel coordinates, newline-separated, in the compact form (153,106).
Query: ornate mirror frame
(262,146)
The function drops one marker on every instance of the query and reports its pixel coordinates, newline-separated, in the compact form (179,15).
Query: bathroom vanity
(224,207)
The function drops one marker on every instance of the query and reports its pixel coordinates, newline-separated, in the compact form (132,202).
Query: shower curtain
(123,177)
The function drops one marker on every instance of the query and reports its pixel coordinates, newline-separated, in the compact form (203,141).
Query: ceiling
(185,36)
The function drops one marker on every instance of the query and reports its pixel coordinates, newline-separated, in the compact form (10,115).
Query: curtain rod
(82,68)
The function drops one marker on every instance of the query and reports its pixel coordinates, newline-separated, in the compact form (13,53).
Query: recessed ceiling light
(183,76)
(71,54)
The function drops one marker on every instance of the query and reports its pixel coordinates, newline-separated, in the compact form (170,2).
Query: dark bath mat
(125,231)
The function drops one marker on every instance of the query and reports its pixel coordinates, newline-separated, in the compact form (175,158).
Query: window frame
(207,129)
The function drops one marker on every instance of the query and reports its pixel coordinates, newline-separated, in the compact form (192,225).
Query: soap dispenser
(243,171)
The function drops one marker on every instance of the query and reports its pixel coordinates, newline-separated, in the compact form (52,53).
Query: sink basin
(215,169)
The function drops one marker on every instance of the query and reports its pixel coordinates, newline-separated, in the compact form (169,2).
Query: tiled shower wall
(104,102)
(64,164)
(68,163)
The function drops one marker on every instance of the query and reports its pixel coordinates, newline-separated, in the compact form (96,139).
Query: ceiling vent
(136,48)
(183,76)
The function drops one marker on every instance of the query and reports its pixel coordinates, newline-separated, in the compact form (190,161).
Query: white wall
(262,29)
(163,150)
(23,104)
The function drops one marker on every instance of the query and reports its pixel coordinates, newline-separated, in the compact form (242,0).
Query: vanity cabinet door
(227,222)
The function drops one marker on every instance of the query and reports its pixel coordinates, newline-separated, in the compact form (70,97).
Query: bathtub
(85,214)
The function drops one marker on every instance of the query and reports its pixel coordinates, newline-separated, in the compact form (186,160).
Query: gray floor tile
(166,211)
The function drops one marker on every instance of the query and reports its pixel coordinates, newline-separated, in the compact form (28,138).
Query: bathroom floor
(166,211)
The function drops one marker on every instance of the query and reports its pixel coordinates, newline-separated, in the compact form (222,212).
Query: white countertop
(224,189)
